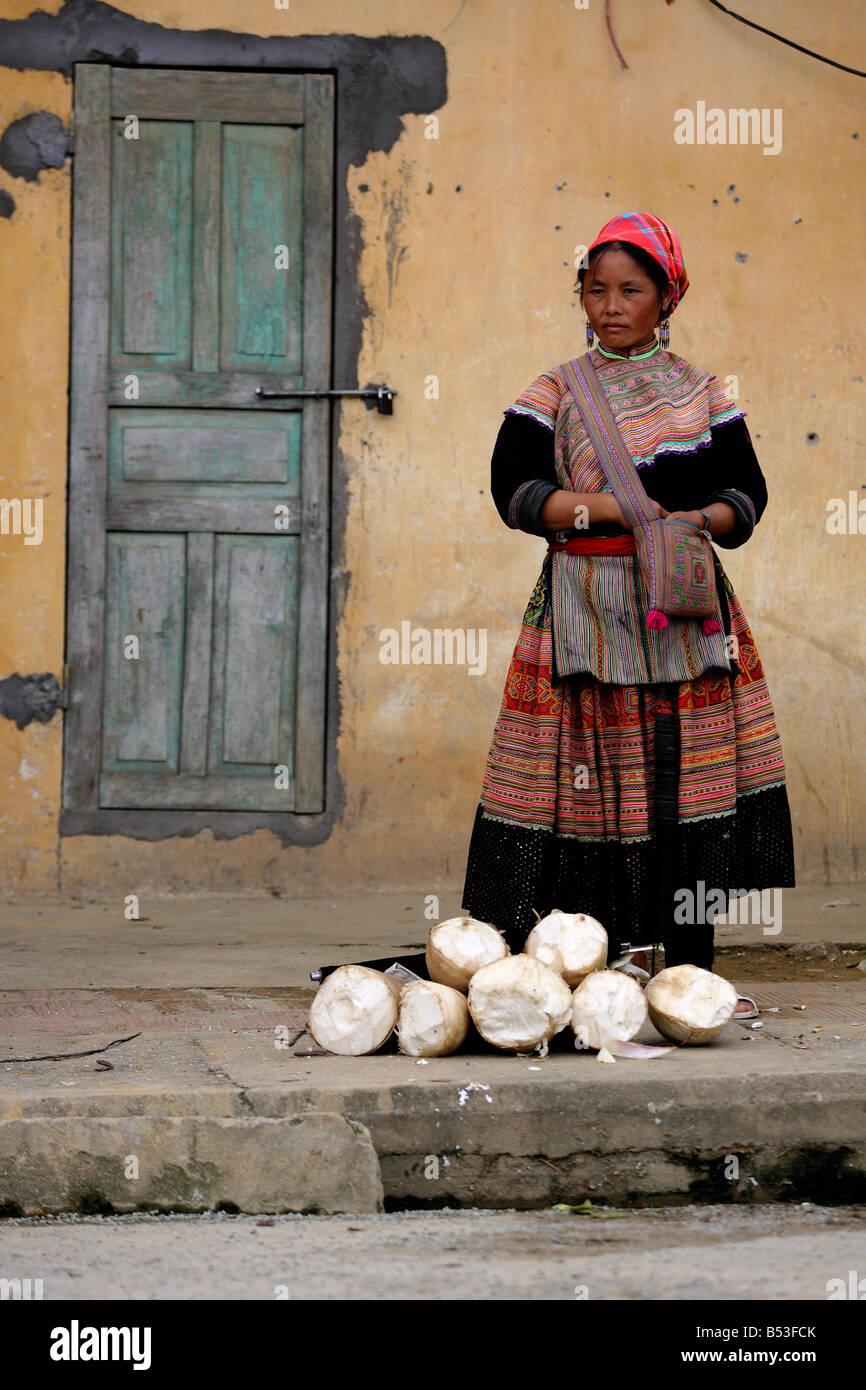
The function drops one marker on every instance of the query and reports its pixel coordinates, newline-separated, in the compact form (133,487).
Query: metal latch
(382,395)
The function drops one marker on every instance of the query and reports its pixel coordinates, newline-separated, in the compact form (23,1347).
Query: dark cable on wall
(810,53)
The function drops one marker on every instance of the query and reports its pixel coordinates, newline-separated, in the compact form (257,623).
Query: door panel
(211,697)
(151,245)
(197,448)
(198,511)
(144,652)
(256,588)
(262,208)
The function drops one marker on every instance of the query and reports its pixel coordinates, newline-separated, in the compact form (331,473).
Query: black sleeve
(522,473)
(734,476)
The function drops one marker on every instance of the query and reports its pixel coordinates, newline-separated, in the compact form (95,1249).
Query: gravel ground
(707,1252)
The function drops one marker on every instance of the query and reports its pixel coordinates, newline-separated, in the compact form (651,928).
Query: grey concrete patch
(307,1163)
(836,912)
(25,698)
(126,1011)
(27,146)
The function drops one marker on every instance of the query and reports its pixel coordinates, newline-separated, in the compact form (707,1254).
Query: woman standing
(622,798)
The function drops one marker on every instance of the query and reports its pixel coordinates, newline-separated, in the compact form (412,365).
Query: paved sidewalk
(250,942)
(222,1099)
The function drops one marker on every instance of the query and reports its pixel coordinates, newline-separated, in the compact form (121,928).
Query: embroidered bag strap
(618,466)
(607,440)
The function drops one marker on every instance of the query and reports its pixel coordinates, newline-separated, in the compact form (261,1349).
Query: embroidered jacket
(689,441)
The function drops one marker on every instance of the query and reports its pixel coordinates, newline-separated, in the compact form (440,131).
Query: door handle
(382,395)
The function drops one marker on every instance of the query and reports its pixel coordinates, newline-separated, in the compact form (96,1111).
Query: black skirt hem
(514,872)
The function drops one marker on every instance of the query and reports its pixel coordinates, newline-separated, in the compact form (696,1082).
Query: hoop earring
(590,336)
(664,334)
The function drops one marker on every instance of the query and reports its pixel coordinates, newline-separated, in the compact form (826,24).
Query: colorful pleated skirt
(613,799)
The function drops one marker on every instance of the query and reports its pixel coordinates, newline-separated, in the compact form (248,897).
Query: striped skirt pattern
(570,798)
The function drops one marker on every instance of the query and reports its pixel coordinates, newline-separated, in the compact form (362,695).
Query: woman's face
(621,301)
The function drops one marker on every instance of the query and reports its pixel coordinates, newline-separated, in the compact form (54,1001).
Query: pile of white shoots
(517,1002)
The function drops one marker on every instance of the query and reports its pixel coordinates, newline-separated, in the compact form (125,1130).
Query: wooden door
(197,618)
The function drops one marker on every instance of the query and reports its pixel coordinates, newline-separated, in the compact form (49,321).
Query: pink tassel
(656,619)
(711,626)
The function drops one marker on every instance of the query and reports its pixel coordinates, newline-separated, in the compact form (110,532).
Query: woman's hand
(694,518)
(617,516)
(564,509)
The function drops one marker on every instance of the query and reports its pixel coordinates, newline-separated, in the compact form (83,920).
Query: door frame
(96,104)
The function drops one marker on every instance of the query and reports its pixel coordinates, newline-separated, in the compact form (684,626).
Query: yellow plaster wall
(34,372)
(468,271)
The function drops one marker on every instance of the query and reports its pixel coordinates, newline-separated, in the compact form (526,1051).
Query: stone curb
(315,1162)
(501,1143)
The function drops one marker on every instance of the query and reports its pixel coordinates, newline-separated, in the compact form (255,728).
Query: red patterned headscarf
(655,237)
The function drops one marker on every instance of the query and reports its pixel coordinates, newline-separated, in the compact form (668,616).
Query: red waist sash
(597,545)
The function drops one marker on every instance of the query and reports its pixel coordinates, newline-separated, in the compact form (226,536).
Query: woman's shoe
(750,1011)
